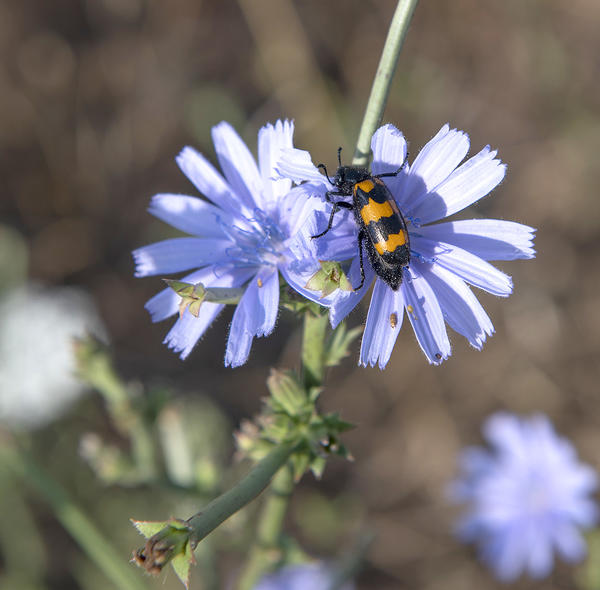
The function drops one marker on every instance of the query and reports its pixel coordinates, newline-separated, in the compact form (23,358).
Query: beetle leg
(329,194)
(336,206)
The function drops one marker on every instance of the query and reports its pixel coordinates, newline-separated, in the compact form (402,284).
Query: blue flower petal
(254,316)
(303,262)
(505,432)
(304,576)
(178,254)
(271,140)
(389,150)
(507,553)
(340,243)
(440,156)
(384,321)
(304,254)
(469,267)
(490,239)
(188,214)
(297,280)
(344,301)
(188,329)
(568,542)
(389,153)
(238,165)
(425,316)
(540,559)
(297,165)
(296,209)
(203,175)
(470,182)
(267,282)
(460,307)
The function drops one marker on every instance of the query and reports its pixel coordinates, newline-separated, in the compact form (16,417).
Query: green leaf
(147,528)
(182,564)
(337,347)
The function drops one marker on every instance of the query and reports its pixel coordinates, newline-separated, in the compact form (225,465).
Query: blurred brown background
(98,96)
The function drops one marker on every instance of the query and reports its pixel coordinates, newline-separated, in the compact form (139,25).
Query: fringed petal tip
(298,166)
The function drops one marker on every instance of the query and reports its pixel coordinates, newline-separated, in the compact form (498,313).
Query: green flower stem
(313,348)
(221,508)
(383,79)
(265,550)
(91,541)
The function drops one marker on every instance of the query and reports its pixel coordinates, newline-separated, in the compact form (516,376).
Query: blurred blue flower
(241,238)
(445,257)
(526,497)
(307,576)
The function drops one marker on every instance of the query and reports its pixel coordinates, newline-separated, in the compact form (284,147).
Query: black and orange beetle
(381,225)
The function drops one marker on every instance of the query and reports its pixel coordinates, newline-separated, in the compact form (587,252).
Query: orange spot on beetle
(366,185)
(374,211)
(391,243)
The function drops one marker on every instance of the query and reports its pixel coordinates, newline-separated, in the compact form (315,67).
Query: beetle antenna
(340,156)
(323,167)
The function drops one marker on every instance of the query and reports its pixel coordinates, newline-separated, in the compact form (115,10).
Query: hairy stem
(221,508)
(313,348)
(264,553)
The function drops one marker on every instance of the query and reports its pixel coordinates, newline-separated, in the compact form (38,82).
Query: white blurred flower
(37,364)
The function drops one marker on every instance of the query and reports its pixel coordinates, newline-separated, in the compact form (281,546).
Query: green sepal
(317,466)
(166,542)
(300,463)
(182,564)
(314,393)
(147,528)
(329,278)
(193,295)
(287,394)
(334,424)
(290,415)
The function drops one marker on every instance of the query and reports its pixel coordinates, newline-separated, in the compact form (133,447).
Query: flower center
(256,241)
(536,495)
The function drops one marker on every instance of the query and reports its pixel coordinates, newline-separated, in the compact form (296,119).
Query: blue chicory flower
(445,257)
(526,497)
(251,228)
(306,576)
